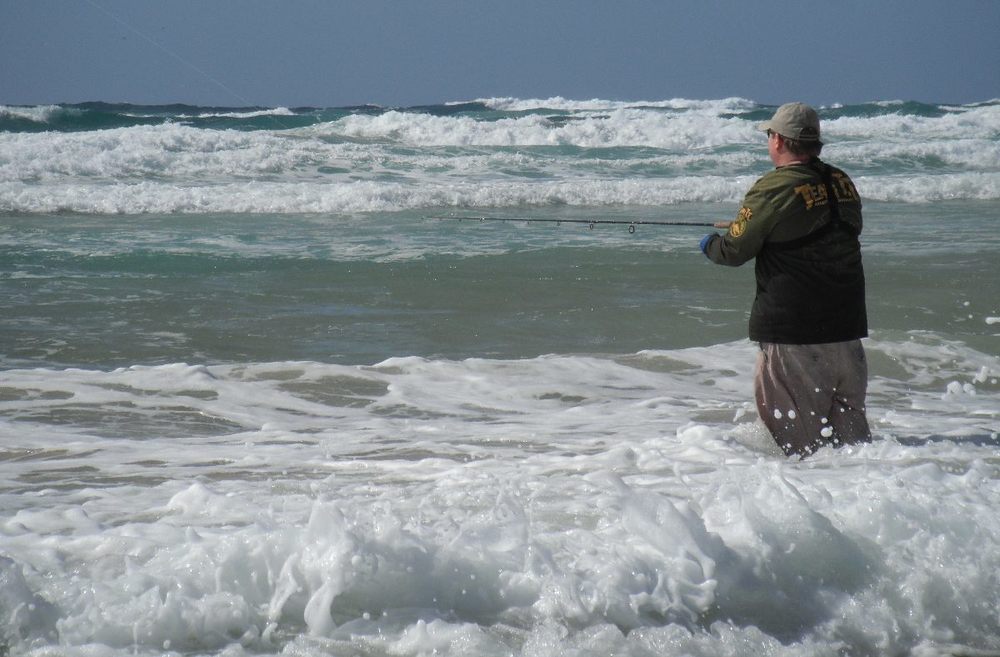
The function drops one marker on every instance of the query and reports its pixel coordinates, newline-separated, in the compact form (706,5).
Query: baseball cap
(794,121)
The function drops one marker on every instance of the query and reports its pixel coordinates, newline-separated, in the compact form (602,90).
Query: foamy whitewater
(268,387)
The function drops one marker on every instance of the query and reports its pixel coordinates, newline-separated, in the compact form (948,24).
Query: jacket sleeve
(748,231)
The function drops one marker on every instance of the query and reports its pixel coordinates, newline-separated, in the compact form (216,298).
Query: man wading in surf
(801,223)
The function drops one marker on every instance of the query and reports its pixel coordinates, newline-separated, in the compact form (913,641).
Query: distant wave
(564,104)
(101,115)
(502,152)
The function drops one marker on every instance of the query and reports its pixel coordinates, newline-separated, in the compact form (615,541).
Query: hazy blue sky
(411,52)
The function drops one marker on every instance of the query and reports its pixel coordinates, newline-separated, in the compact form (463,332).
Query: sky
(403,53)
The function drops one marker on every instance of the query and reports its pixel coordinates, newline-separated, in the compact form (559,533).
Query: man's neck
(789,160)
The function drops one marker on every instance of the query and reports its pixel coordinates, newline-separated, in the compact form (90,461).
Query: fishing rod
(631,223)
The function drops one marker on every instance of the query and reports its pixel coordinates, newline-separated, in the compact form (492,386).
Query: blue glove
(704,242)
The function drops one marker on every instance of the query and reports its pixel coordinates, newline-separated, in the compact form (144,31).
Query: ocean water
(269,386)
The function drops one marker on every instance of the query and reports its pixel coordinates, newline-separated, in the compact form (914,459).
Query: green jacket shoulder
(784,204)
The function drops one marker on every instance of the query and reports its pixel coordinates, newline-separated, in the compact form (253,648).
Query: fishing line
(159,46)
(631,223)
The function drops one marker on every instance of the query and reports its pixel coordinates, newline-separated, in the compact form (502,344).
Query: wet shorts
(811,395)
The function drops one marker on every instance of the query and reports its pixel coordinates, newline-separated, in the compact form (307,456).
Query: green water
(83,291)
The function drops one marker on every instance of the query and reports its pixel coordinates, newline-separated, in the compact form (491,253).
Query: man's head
(794,121)
(794,129)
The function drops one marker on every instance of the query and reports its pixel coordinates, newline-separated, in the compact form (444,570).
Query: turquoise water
(99,292)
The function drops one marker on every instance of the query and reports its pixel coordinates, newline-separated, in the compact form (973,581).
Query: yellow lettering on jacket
(842,186)
(812,195)
(845,189)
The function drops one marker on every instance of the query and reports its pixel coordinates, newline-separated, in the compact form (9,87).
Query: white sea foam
(505,507)
(357,196)
(970,122)
(171,152)
(249,114)
(36,113)
(619,127)
(361,196)
(619,153)
(597,104)
(929,188)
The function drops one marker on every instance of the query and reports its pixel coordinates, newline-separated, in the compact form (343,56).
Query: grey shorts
(811,395)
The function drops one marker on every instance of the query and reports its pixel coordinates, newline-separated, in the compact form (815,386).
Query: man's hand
(723,224)
(703,245)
